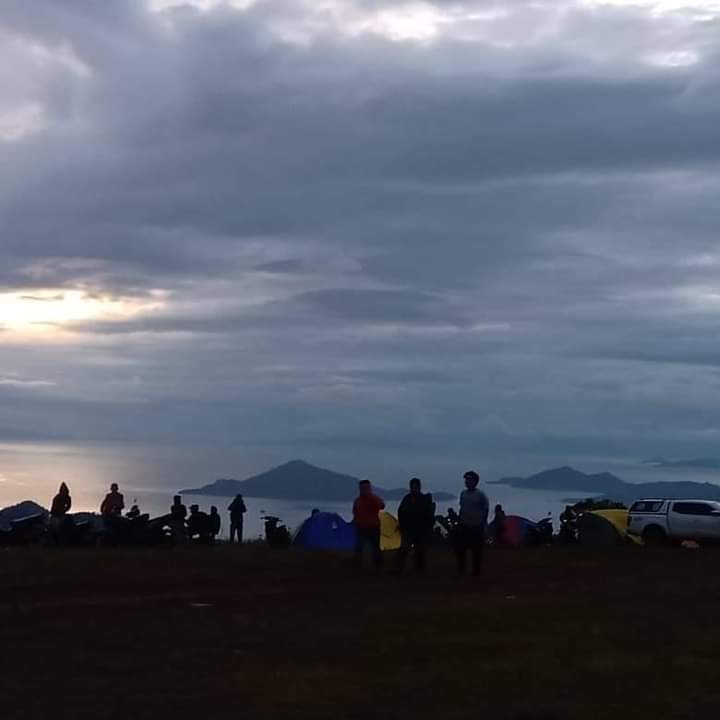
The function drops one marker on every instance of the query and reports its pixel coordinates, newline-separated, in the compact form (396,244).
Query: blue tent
(325,531)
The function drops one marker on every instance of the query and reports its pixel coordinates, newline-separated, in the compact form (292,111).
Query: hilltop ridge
(299,480)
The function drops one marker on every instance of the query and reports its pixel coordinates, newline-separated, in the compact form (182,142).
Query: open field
(231,632)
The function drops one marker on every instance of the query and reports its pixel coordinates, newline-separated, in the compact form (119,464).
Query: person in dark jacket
(61,503)
(497,526)
(60,523)
(198,526)
(215,522)
(111,511)
(568,525)
(178,514)
(237,510)
(178,511)
(416,517)
(113,504)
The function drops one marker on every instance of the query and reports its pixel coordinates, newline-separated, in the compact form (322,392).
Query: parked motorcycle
(540,534)
(277,536)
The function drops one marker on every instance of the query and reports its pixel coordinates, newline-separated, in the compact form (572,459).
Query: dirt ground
(230,632)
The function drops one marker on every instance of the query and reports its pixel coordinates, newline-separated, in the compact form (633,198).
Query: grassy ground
(231,632)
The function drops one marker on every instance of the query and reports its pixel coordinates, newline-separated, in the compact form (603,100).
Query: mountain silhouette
(611,486)
(298,480)
(693,463)
(566,478)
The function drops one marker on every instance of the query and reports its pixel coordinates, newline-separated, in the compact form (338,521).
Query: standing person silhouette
(474,507)
(497,526)
(178,515)
(416,517)
(237,510)
(61,503)
(199,526)
(367,524)
(214,523)
(111,511)
(59,509)
(113,504)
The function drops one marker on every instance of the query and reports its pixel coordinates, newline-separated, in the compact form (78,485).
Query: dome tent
(516,530)
(325,531)
(619,518)
(603,528)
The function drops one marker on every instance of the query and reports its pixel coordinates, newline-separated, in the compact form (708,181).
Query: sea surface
(151,476)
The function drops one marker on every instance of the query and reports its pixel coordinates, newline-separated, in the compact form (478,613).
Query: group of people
(416,519)
(196,525)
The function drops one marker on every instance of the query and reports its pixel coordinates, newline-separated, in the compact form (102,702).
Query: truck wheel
(655,536)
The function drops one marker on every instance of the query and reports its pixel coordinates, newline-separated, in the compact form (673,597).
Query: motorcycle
(276,535)
(541,533)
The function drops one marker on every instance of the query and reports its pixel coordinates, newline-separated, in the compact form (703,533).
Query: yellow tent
(390,538)
(619,518)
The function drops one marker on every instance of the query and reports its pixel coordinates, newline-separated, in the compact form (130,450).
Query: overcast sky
(318,228)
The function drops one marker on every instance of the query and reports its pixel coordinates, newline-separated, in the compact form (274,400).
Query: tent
(603,528)
(21,512)
(619,518)
(516,530)
(390,538)
(325,531)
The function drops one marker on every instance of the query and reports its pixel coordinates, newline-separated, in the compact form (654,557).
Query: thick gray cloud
(459,230)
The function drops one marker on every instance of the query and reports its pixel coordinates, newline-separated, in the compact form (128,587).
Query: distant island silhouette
(299,480)
(693,463)
(611,486)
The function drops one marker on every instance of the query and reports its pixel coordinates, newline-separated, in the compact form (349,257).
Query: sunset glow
(51,311)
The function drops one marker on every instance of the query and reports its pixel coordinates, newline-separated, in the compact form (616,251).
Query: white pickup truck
(663,521)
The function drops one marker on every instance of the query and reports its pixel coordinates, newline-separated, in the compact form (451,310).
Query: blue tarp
(325,531)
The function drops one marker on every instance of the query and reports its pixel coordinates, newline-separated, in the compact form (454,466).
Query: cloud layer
(458,229)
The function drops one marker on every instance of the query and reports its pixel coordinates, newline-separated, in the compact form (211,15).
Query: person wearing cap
(470,534)
(416,517)
(113,504)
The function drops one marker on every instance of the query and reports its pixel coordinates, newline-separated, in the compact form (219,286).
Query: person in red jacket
(367,524)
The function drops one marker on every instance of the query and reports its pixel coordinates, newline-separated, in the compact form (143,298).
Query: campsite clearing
(231,632)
